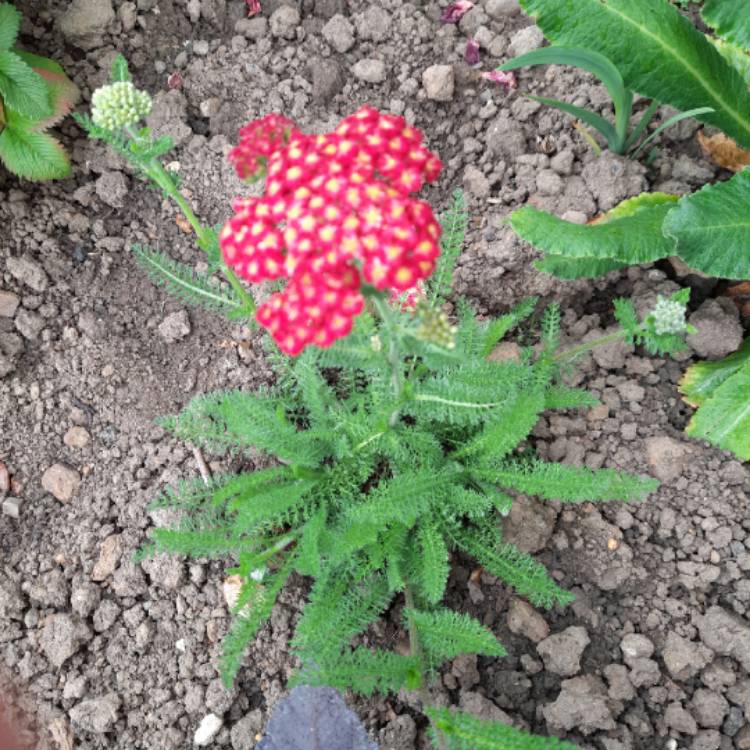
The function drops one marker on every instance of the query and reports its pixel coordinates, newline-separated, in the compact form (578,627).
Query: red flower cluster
(337,209)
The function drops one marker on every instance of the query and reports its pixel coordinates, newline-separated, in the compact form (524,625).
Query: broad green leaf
(730,19)
(658,52)
(724,418)
(737,57)
(21,89)
(701,380)
(10,22)
(712,228)
(629,233)
(35,156)
(577,268)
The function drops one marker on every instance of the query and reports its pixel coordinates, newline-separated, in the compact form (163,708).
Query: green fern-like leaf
(445,634)
(459,731)
(187,284)
(454,223)
(519,570)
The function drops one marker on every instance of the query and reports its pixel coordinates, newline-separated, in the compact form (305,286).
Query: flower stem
(394,354)
(155,170)
(587,346)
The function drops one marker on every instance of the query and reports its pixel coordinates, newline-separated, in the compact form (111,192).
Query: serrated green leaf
(712,228)
(730,19)
(724,417)
(34,156)
(10,23)
(629,233)
(577,268)
(22,90)
(674,63)
(120,70)
(701,380)
(461,731)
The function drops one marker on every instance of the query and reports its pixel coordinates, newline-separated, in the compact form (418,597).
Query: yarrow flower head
(118,105)
(668,316)
(337,210)
(258,141)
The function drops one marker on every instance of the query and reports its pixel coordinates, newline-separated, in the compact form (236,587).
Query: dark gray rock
(314,717)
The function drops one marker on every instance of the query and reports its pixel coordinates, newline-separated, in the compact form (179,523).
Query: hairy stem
(394,354)
(155,170)
(415,647)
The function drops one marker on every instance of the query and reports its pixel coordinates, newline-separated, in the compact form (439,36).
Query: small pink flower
(506,79)
(452,13)
(253,7)
(174,80)
(471,55)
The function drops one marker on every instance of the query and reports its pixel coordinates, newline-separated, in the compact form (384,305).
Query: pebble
(175,327)
(8,304)
(77,437)
(284,22)
(475,183)
(61,637)
(439,82)
(719,329)
(499,9)
(110,552)
(683,658)
(726,635)
(201,47)
(709,708)
(524,620)
(636,646)
(209,727)
(369,70)
(96,715)
(244,733)
(112,188)
(29,272)
(84,22)
(339,33)
(29,324)
(561,652)
(667,457)
(526,40)
(582,705)
(252,28)
(327,79)
(12,507)
(4,478)
(61,481)
(677,718)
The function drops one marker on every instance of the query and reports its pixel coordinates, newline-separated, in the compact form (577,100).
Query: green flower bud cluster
(435,327)
(668,316)
(119,104)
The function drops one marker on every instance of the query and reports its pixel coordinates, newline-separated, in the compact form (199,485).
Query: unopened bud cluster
(119,104)
(668,316)
(435,328)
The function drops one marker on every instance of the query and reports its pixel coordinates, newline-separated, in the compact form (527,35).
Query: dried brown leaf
(723,151)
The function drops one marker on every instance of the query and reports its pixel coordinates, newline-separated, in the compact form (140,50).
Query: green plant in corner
(709,229)
(620,138)
(35,94)
(393,439)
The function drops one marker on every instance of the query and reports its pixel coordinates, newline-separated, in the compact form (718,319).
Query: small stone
(84,22)
(175,327)
(61,482)
(677,718)
(77,437)
(374,24)
(61,637)
(742,738)
(12,507)
(636,646)
(252,28)
(329,8)
(529,525)
(719,329)
(505,138)
(112,188)
(369,70)
(644,672)
(526,40)
(612,178)
(201,47)
(110,552)
(8,304)
(327,79)
(475,182)
(524,620)
(684,658)
(582,705)
(706,739)
(166,571)
(620,686)
(29,324)
(244,732)
(499,9)
(709,708)
(339,33)
(105,616)
(561,652)
(84,598)
(211,724)
(29,272)
(96,715)
(4,479)
(284,22)
(667,457)
(439,82)
(549,182)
